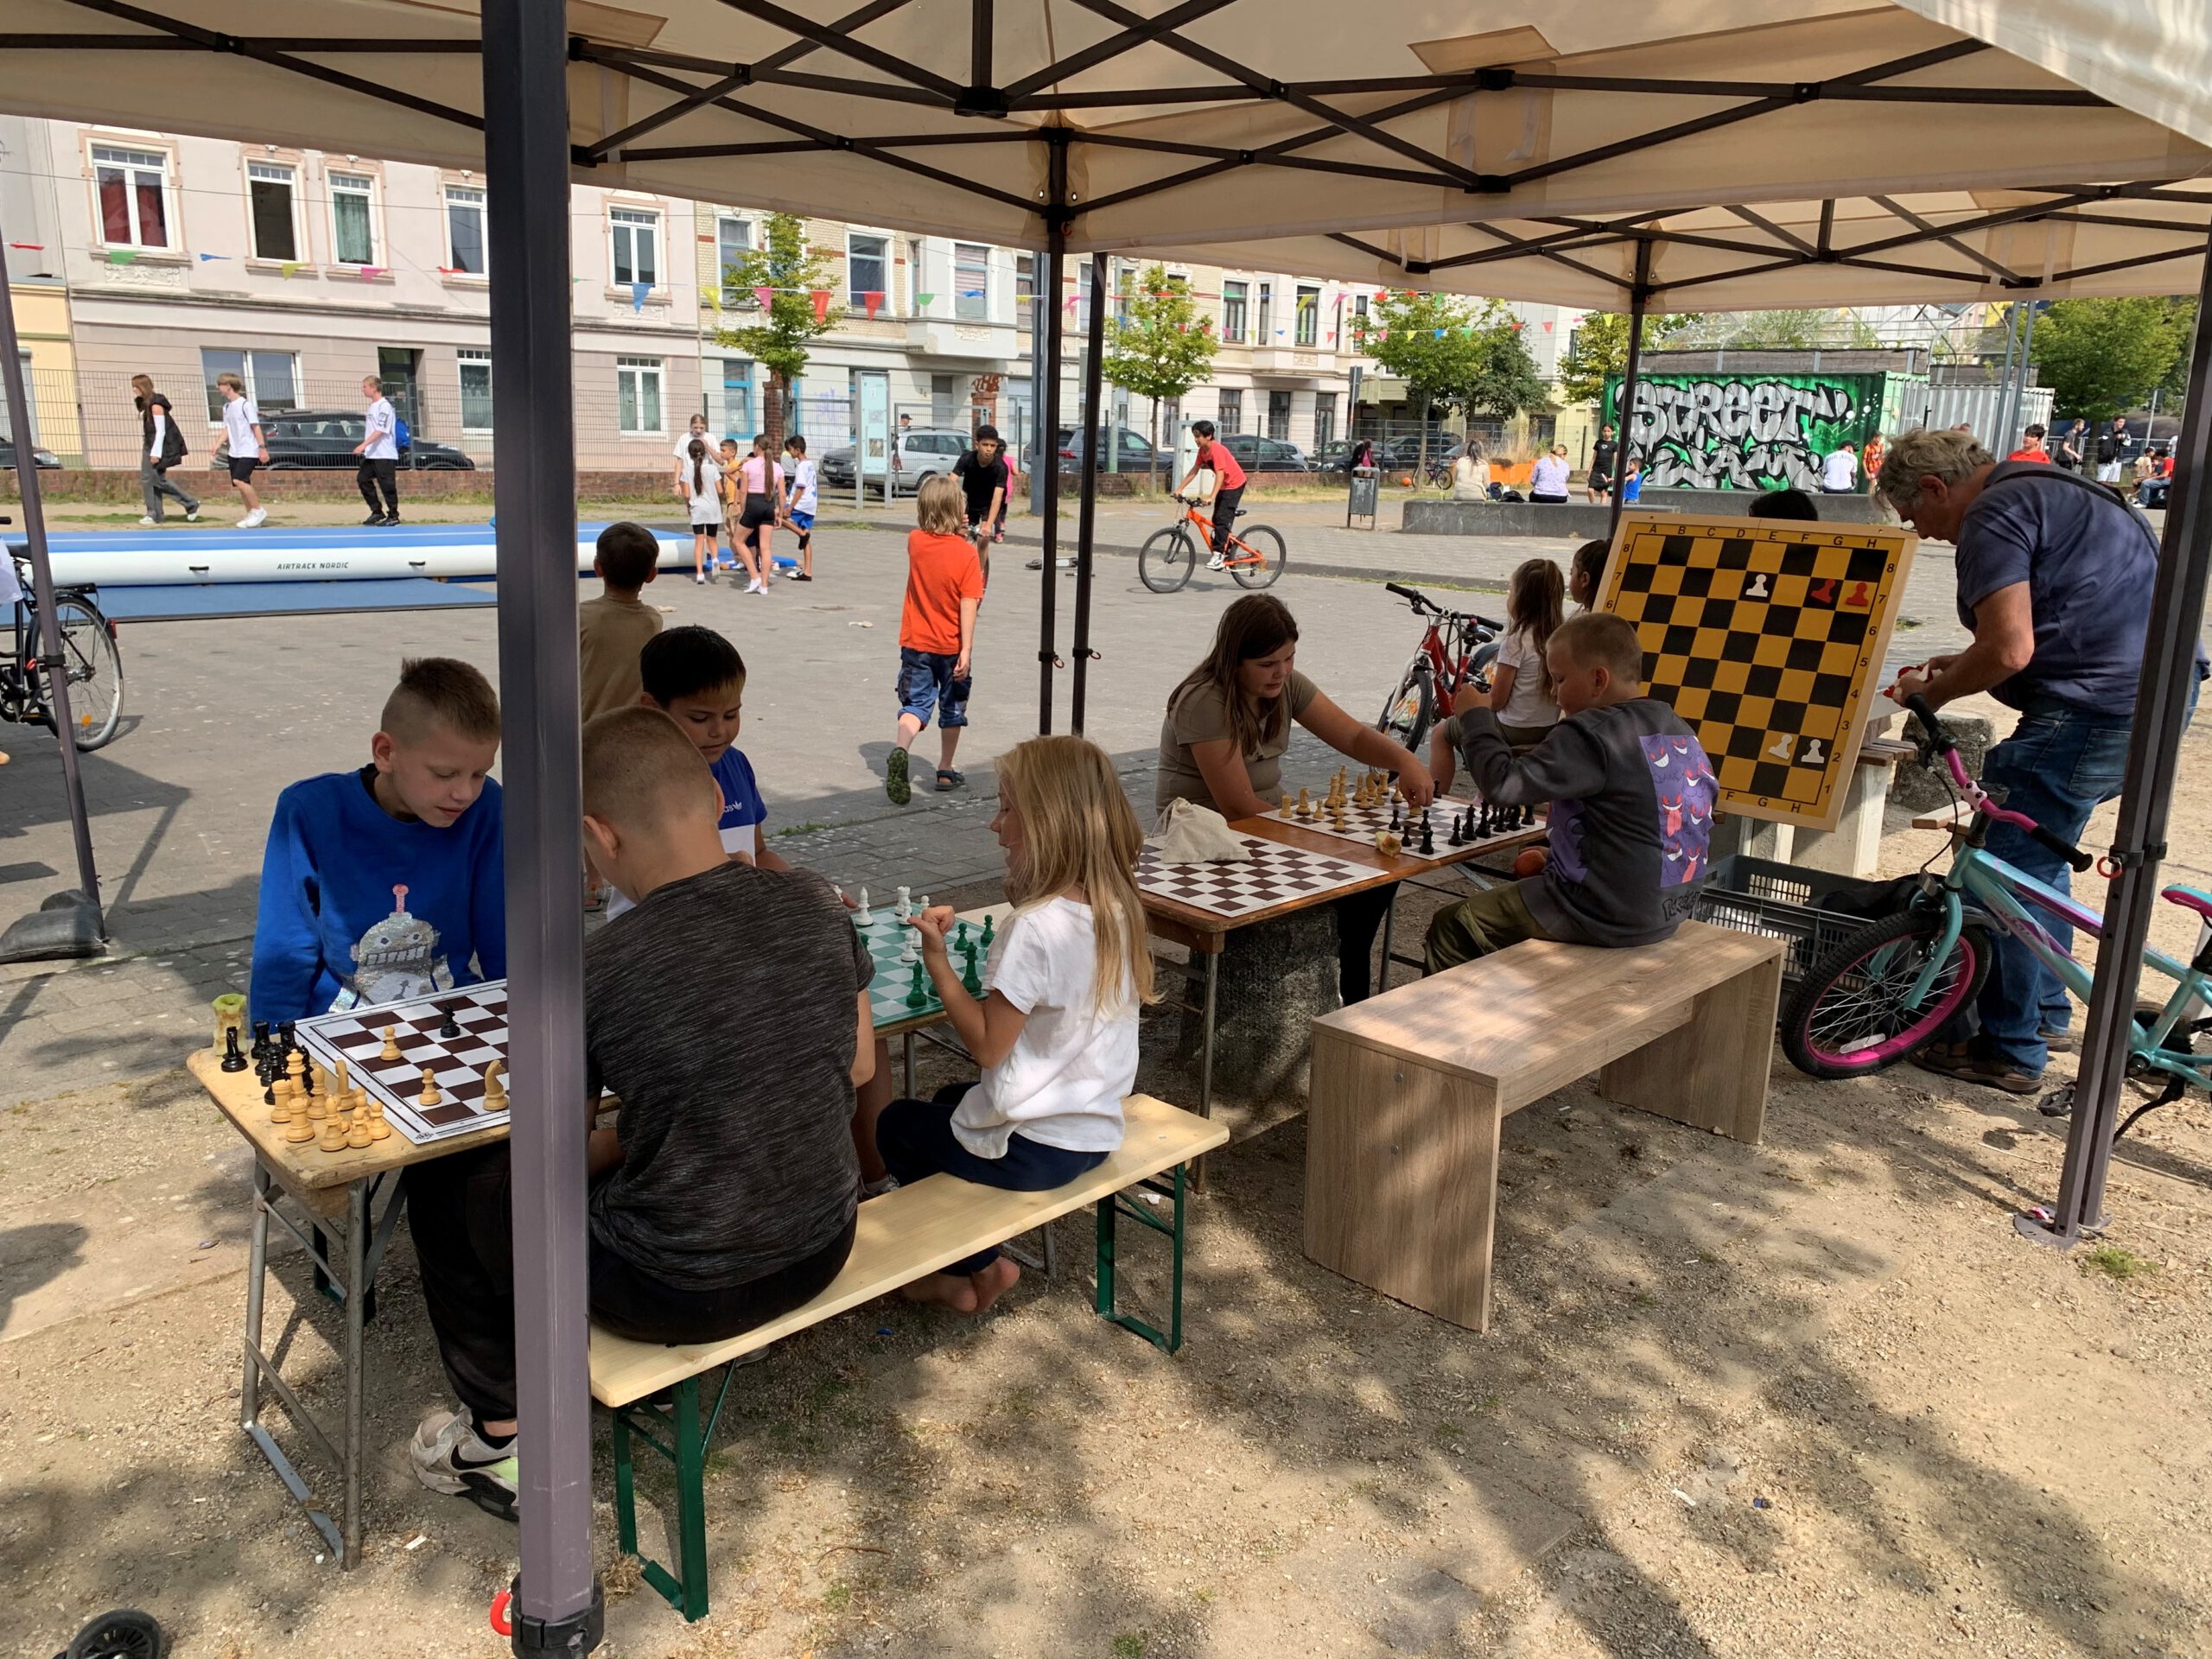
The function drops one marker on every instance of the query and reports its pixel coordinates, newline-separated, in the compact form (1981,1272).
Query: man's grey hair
(1952,456)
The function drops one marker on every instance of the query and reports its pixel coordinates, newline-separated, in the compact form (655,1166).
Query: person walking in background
(2073,445)
(2112,450)
(1605,455)
(245,444)
(380,453)
(1871,459)
(161,446)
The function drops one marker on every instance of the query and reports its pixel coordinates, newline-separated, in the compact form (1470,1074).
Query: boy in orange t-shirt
(936,633)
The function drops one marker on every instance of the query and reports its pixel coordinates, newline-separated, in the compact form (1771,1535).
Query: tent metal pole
(1096,430)
(2005,378)
(2020,377)
(2162,703)
(560,1606)
(1048,420)
(1639,297)
(52,661)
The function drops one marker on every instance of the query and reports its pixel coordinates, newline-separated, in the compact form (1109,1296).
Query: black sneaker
(374,521)
(391,520)
(451,1457)
(894,779)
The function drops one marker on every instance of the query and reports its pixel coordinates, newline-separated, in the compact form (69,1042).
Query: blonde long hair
(1077,829)
(940,505)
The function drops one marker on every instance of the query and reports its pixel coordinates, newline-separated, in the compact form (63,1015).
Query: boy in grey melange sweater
(1631,808)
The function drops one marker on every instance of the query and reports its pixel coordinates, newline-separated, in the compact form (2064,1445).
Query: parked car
(1258,454)
(1132,451)
(301,439)
(44,460)
(924,452)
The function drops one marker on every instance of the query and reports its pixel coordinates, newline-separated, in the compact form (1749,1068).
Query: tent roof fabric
(1175,121)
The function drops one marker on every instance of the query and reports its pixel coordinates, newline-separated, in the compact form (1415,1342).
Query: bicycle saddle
(2190,898)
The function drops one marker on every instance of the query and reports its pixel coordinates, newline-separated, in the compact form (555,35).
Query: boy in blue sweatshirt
(1631,807)
(382,883)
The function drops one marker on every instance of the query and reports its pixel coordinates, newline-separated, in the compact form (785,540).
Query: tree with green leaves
(785,263)
(1598,347)
(2101,358)
(1428,341)
(1157,345)
(1504,381)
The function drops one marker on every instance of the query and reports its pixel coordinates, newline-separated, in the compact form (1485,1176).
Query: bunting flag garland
(638,292)
(124,256)
(1547,328)
(766,296)
(923,300)
(821,298)
(40,247)
(205,257)
(370,273)
(873,299)
(286,270)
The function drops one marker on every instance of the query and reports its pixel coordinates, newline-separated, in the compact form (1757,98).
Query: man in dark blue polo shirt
(2055,575)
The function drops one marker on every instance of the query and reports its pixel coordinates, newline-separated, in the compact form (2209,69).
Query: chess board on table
(887,938)
(1362,821)
(1767,637)
(1276,876)
(456,1062)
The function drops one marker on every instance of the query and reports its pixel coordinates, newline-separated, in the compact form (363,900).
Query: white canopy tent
(1085,124)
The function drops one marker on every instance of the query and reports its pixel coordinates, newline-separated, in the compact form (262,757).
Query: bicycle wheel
(95,669)
(1260,571)
(1406,717)
(1166,561)
(1847,1018)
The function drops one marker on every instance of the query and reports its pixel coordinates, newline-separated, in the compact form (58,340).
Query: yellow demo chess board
(1767,637)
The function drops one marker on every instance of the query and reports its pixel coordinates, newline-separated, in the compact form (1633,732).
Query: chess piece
(390,1044)
(344,1079)
(1529,816)
(910,947)
(1484,830)
(357,1134)
(1282,805)
(1427,835)
(960,935)
(922,907)
(260,1049)
(917,993)
(429,1096)
(1304,805)
(1757,590)
(317,1107)
(1396,821)
(1813,755)
(280,1110)
(378,1129)
(451,1028)
(266,1072)
(970,980)
(495,1086)
(987,930)
(905,906)
(334,1134)
(299,1131)
(862,915)
(234,1059)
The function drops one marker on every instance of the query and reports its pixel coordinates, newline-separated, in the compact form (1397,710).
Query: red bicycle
(1457,650)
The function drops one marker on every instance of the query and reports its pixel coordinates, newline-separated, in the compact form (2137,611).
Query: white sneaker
(699,577)
(191,517)
(255,519)
(756,586)
(149,520)
(1217,563)
(450,1457)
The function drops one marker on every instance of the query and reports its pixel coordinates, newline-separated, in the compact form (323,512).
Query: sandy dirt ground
(1810,1398)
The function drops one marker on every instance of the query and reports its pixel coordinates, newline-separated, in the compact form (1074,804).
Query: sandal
(949,778)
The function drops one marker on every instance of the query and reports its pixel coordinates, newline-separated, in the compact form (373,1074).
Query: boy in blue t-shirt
(697,678)
(383,884)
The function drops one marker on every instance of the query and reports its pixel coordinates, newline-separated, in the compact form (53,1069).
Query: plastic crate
(1783,901)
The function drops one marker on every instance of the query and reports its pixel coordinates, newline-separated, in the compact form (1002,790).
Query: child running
(702,486)
(1056,1035)
(803,506)
(936,635)
(762,482)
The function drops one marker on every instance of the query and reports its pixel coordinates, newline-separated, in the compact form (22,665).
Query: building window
(1264,332)
(634,235)
(1325,421)
(30,388)
(1025,281)
(1307,330)
(465,239)
(737,402)
(134,196)
(1082,295)
(1231,418)
(269,203)
(1232,312)
(971,283)
(272,379)
(475,391)
(1278,416)
(733,245)
(867,270)
(637,395)
(352,219)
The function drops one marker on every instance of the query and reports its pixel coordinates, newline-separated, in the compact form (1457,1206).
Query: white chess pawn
(860,916)
(905,906)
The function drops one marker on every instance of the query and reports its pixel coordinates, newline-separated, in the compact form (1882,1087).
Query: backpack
(400,436)
(173,447)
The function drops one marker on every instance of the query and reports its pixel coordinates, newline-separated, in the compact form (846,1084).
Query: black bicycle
(1457,650)
(89,655)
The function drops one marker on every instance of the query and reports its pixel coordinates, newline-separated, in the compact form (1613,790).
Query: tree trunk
(1152,436)
(772,410)
(1421,464)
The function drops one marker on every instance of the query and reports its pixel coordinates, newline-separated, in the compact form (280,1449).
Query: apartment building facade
(181,258)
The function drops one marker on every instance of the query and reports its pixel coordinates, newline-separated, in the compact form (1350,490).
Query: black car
(44,460)
(1258,454)
(305,439)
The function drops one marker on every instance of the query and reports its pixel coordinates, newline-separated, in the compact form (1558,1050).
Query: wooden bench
(1410,1089)
(653,1390)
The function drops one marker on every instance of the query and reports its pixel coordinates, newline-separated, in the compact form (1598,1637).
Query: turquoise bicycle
(1880,993)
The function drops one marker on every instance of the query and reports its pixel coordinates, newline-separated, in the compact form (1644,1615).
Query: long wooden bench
(1410,1089)
(653,1390)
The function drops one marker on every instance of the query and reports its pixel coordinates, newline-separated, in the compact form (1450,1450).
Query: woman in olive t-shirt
(1222,746)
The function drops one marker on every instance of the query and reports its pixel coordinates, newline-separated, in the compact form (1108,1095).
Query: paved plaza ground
(1808,1398)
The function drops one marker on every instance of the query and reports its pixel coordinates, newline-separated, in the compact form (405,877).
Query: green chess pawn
(971,979)
(960,937)
(918,995)
(987,931)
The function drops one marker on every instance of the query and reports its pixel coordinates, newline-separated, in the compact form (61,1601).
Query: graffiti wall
(1756,431)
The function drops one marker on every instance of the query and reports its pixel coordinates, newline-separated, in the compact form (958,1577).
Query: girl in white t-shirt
(1519,679)
(701,481)
(1056,1034)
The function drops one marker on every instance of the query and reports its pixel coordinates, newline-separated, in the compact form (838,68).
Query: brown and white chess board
(1361,823)
(456,1063)
(1275,875)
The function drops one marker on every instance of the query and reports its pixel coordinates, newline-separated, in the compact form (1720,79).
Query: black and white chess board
(456,1062)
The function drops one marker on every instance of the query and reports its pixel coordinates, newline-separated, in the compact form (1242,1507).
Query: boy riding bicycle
(1228,492)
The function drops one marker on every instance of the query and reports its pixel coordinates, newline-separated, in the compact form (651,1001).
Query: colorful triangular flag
(821,298)
(204,257)
(286,270)
(873,299)
(121,255)
(638,292)
(766,296)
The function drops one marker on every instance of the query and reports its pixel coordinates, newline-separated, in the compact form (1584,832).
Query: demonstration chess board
(1275,875)
(887,938)
(1767,637)
(456,1062)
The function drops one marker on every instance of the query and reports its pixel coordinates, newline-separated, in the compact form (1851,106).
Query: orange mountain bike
(1168,557)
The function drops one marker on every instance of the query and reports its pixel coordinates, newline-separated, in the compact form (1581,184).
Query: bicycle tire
(125,1633)
(1263,574)
(95,671)
(1843,1021)
(1165,560)
(1405,718)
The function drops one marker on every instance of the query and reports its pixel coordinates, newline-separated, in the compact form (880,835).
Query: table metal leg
(357,1286)
(1198,1178)
(906,1046)
(257,1262)
(1390,927)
